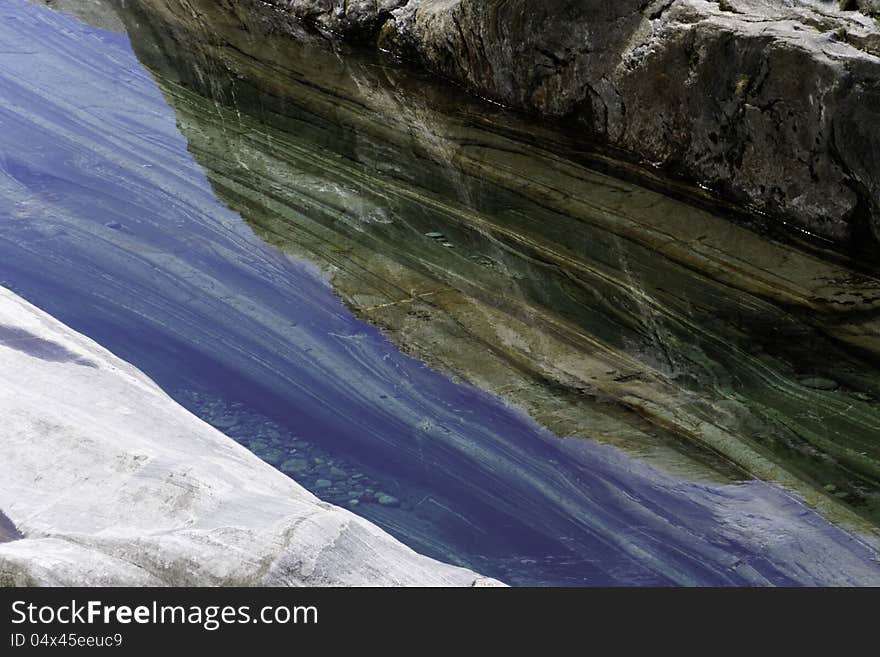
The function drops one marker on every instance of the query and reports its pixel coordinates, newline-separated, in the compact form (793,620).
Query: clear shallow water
(108,223)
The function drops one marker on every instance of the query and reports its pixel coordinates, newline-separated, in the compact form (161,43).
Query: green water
(605,309)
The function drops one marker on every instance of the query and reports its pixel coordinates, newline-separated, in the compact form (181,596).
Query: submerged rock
(387,500)
(819,383)
(141,492)
(294,466)
(224,422)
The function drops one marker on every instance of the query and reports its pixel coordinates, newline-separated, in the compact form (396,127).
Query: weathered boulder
(773,104)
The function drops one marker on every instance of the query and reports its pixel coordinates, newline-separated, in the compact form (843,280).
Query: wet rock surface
(771,104)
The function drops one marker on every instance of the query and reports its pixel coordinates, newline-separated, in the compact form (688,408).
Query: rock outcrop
(773,104)
(112,483)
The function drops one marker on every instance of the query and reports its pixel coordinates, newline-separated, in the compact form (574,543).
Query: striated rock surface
(605,306)
(112,483)
(771,103)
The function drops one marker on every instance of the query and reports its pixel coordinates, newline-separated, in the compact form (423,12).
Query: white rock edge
(111,482)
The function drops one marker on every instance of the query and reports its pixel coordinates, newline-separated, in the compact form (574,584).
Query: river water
(238,230)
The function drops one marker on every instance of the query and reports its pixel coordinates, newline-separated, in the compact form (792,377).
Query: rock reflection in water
(605,310)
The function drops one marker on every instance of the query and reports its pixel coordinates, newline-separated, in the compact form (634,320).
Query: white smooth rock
(111,482)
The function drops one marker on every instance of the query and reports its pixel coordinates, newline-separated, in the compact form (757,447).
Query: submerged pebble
(294,466)
(819,383)
(387,500)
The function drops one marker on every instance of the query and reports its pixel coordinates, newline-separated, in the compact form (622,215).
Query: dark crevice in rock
(863,236)
(656,10)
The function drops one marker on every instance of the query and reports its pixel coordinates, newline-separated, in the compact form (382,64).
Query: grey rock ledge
(771,104)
